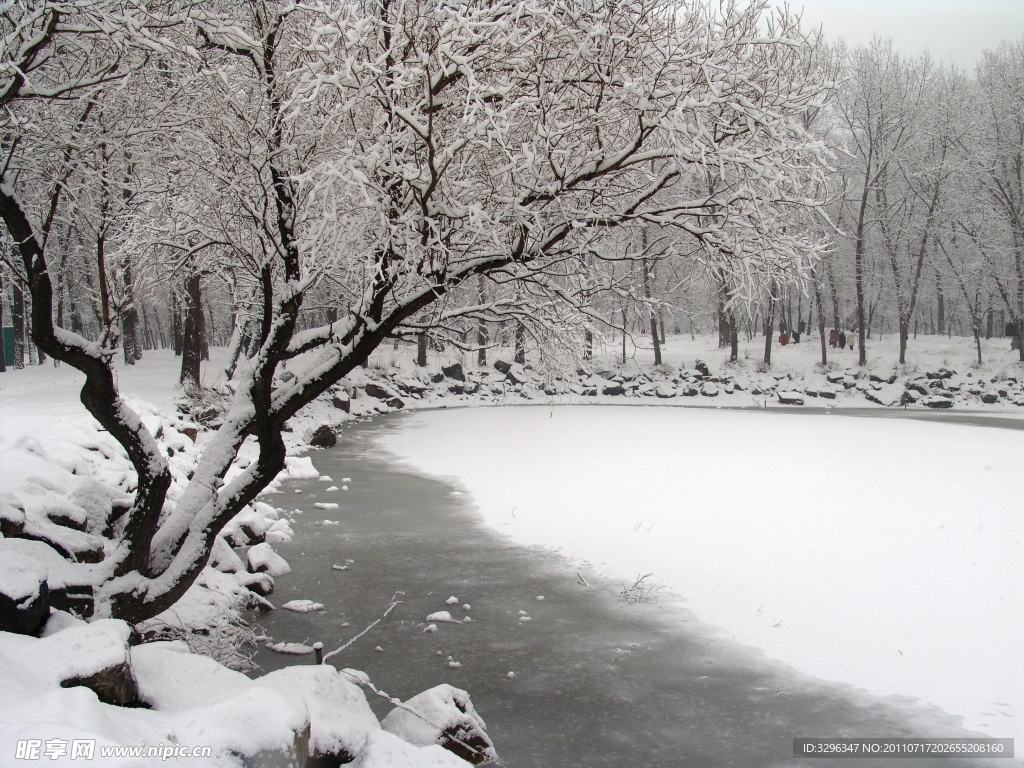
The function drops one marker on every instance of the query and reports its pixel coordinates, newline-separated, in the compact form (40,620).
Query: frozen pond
(599,681)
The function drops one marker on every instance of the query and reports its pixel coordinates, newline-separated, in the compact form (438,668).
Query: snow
(385,750)
(21,578)
(440,616)
(426,717)
(303,606)
(325,505)
(882,553)
(262,557)
(297,649)
(79,651)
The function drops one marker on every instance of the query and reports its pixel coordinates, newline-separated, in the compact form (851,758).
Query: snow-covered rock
(303,606)
(340,721)
(444,616)
(385,750)
(24,595)
(322,436)
(93,656)
(791,398)
(262,558)
(223,557)
(886,394)
(443,715)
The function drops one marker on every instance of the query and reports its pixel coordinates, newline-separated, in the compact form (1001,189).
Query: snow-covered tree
(398,152)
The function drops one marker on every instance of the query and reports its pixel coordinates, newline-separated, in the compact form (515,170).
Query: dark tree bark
(421,350)
(769,331)
(734,339)
(520,344)
(204,333)
(821,319)
(176,330)
(18,321)
(3,345)
(191,349)
(645,268)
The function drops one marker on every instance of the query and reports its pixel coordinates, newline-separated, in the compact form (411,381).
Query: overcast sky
(951,30)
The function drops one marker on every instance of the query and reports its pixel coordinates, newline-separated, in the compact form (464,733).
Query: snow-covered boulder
(261,584)
(12,515)
(385,750)
(380,392)
(443,715)
(24,595)
(886,394)
(827,392)
(223,557)
(665,391)
(321,437)
(340,720)
(263,559)
(252,525)
(708,389)
(454,371)
(93,656)
(791,398)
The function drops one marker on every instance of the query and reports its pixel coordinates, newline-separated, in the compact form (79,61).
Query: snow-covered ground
(54,456)
(880,552)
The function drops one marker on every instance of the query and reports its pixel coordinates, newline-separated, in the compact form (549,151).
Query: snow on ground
(883,553)
(54,459)
(886,554)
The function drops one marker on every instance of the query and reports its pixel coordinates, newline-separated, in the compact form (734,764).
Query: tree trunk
(734,339)
(652,316)
(520,344)
(130,320)
(421,350)
(204,334)
(624,334)
(18,321)
(3,345)
(588,345)
(769,330)
(723,323)
(176,330)
(821,320)
(191,349)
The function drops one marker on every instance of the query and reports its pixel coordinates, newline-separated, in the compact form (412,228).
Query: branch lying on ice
(394,604)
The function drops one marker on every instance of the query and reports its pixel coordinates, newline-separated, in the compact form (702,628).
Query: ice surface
(839,545)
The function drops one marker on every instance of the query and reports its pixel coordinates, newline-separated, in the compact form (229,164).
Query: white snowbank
(883,553)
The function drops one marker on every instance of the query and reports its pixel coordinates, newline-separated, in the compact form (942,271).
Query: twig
(394,604)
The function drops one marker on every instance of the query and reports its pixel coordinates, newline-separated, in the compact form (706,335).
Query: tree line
(305,182)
